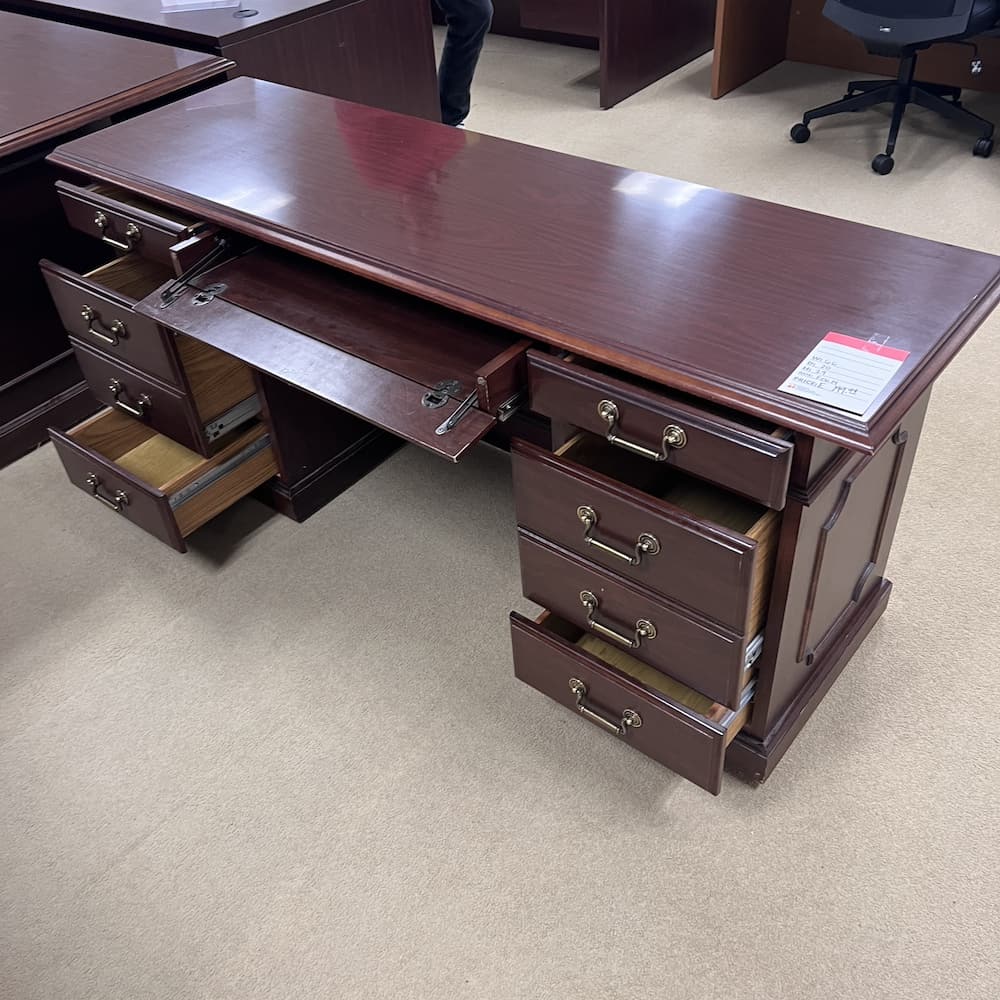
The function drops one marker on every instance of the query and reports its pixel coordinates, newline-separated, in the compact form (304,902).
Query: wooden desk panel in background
(751,36)
(377,52)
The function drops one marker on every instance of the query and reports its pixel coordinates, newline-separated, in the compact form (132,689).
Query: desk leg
(751,36)
(644,40)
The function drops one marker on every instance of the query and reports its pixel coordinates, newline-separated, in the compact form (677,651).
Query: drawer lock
(631,719)
(674,437)
(645,545)
(644,629)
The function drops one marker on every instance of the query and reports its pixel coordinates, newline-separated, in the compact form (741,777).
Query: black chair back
(887,27)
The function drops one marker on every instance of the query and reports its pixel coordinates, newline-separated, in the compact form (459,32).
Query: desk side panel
(750,37)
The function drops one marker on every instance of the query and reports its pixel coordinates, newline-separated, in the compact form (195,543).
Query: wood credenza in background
(376,52)
(57,81)
(709,551)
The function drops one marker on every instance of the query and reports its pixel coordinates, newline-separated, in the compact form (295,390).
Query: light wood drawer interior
(157,483)
(130,276)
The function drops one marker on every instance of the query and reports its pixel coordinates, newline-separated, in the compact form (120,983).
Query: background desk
(89,79)
(377,52)
(751,36)
(640,41)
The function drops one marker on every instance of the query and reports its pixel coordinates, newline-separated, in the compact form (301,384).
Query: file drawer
(690,541)
(748,458)
(154,482)
(661,718)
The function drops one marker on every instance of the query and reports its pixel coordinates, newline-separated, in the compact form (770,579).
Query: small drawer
(707,657)
(152,481)
(97,309)
(742,455)
(124,221)
(660,717)
(686,539)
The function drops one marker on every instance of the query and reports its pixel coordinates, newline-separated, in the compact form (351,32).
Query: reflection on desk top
(713,294)
(55,78)
(146,18)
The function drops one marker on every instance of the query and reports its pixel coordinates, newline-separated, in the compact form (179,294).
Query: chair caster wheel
(983,147)
(883,164)
(800,133)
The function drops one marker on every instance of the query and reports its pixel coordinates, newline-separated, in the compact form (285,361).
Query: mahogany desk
(378,52)
(710,551)
(640,41)
(751,36)
(89,79)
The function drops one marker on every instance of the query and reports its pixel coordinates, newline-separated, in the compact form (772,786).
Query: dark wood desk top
(55,78)
(709,293)
(205,27)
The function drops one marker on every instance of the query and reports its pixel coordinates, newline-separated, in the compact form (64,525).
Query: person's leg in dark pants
(468,21)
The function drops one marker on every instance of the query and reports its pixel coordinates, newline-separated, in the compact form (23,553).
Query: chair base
(901,92)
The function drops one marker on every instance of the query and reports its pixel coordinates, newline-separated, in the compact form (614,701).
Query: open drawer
(660,717)
(697,544)
(125,221)
(178,386)
(739,453)
(156,483)
(433,377)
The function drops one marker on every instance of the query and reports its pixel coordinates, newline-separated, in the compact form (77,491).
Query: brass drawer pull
(631,719)
(115,331)
(644,629)
(138,409)
(132,234)
(646,544)
(673,436)
(118,503)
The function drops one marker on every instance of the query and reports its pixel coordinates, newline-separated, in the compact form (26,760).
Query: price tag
(845,372)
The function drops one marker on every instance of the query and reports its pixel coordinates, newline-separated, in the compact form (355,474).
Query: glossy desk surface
(709,293)
(55,78)
(207,27)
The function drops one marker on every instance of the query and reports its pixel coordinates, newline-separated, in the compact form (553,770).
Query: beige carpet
(295,763)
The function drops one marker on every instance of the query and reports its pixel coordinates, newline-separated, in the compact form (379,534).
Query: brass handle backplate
(115,331)
(118,503)
(646,544)
(630,719)
(132,233)
(674,437)
(644,629)
(138,409)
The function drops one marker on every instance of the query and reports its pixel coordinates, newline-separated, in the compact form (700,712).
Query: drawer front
(119,225)
(680,739)
(131,392)
(678,556)
(706,657)
(100,319)
(117,490)
(750,462)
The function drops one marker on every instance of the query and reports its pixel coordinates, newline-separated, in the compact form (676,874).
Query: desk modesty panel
(90,79)
(378,52)
(709,551)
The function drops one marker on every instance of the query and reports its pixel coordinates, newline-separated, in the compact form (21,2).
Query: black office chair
(901,29)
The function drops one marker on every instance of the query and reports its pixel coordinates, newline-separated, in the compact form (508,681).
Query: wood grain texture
(88,77)
(750,37)
(216,381)
(691,649)
(709,293)
(644,40)
(546,657)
